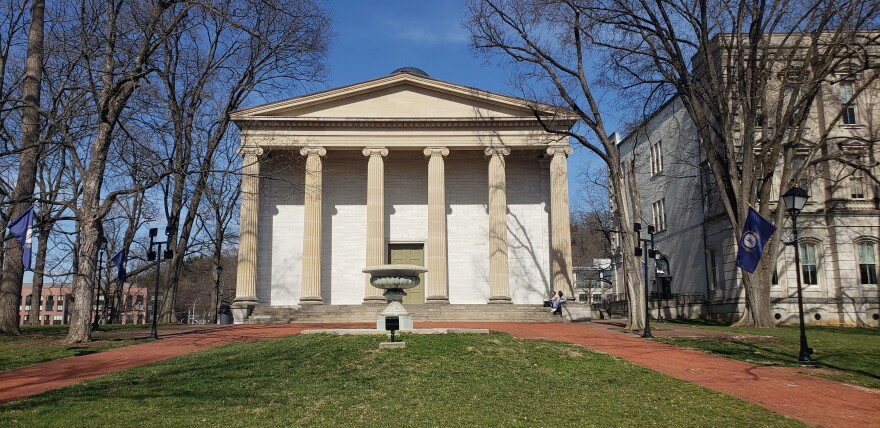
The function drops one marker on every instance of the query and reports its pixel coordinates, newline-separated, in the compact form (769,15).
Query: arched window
(867,258)
(809,263)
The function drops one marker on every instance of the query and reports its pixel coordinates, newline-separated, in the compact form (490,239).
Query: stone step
(369,313)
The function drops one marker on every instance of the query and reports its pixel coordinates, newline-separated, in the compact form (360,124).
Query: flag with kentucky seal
(21,229)
(756,232)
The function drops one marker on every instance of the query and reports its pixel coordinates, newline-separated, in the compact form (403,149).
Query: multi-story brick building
(54,302)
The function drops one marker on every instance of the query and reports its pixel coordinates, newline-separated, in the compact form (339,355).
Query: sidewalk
(811,400)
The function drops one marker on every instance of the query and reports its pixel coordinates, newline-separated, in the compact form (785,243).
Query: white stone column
(438,286)
(246,277)
(499,286)
(375,218)
(560,244)
(311,259)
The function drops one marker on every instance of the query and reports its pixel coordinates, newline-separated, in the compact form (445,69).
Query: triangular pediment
(398,97)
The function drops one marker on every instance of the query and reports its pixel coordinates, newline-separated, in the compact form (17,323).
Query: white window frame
(860,262)
(658,209)
(849,115)
(818,265)
(656,158)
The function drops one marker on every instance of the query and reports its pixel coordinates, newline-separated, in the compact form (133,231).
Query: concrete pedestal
(395,309)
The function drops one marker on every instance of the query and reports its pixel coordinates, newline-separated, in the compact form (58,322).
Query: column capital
(250,151)
(313,150)
(436,151)
(496,151)
(375,151)
(559,150)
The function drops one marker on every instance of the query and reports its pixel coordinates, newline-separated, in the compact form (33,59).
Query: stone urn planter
(394,279)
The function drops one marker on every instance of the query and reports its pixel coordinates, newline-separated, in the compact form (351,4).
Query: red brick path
(811,400)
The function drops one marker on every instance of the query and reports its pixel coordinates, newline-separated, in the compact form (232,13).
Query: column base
(503,300)
(437,300)
(311,301)
(242,308)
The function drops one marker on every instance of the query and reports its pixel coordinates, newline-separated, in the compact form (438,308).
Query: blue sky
(374,38)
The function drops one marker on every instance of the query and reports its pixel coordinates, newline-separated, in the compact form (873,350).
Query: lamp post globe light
(154,255)
(102,246)
(795,199)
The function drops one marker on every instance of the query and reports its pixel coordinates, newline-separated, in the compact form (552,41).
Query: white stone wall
(406,186)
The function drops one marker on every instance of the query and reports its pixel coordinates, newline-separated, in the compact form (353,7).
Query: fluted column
(437,287)
(560,243)
(311,259)
(246,281)
(499,287)
(375,218)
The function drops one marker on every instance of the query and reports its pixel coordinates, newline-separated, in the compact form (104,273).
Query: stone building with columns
(402,169)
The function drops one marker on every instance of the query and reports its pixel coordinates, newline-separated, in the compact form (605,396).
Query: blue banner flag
(119,261)
(756,232)
(21,229)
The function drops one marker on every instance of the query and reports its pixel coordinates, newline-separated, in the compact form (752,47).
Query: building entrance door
(410,254)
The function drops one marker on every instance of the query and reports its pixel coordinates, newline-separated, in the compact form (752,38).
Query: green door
(410,254)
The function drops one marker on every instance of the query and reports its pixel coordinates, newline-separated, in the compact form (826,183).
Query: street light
(219,271)
(102,246)
(152,255)
(652,253)
(795,199)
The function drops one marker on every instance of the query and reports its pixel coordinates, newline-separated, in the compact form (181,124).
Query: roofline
(238,114)
(647,119)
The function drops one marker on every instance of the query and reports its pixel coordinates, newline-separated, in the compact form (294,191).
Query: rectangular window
(50,303)
(867,263)
(656,158)
(713,270)
(797,163)
(848,107)
(659,211)
(857,181)
(809,264)
(56,320)
(27,302)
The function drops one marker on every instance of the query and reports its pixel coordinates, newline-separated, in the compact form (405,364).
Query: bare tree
(119,39)
(549,45)
(207,72)
(22,195)
(749,73)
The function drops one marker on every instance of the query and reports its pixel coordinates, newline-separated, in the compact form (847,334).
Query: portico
(333,181)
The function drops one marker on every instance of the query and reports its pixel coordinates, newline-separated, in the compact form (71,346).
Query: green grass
(437,380)
(850,354)
(39,344)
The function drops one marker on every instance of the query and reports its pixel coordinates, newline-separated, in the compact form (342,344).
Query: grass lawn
(39,343)
(437,380)
(848,354)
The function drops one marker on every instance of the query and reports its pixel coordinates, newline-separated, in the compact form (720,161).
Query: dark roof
(410,70)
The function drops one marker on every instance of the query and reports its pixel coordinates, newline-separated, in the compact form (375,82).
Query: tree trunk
(13,270)
(39,271)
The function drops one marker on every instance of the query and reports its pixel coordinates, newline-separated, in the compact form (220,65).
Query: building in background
(128,307)
(839,227)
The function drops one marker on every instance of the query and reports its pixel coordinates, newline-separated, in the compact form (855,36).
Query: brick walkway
(812,400)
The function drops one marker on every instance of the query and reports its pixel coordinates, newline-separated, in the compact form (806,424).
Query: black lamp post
(795,199)
(219,271)
(648,252)
(152,255)
(102,246)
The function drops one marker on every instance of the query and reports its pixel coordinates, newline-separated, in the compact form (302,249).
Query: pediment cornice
(279,112)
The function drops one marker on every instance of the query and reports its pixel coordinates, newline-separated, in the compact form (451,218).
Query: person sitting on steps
(556,301)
